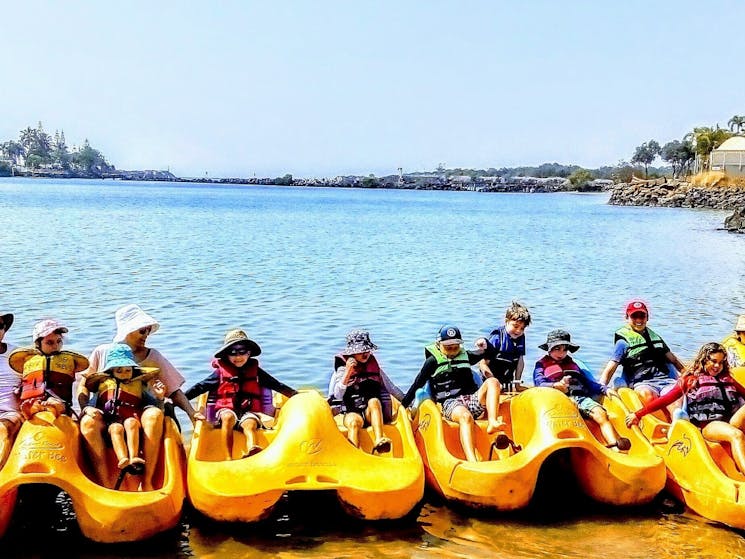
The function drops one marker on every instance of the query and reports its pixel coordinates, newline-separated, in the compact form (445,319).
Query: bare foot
(495,425)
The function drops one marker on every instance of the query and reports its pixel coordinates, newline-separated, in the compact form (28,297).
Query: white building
(729,157)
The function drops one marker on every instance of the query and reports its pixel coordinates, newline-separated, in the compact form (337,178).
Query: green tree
(736,123)
(90,160)
(60,154)
(645,154)
(679,154)
(705,139)
(580,177)
(12,151)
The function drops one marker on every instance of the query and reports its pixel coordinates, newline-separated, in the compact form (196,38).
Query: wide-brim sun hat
(238,337)
(740,324)
(556,338)
(358,341)
(120,355)
(7,319)
(47,326)
(131,318)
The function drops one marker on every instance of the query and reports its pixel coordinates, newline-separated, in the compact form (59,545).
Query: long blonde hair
(706,351)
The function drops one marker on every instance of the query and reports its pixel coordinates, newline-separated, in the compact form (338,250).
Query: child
(735,344)
(558,370)
(10,415)
(120,391)
(47,372)
(714,400)
(365,390)
(235,391)
(448,369)
(509,344)
(644,356)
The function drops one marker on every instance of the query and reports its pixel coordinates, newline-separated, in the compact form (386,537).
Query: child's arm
(268,381)
(656,404)
(205,385)
(429,367)
(391,388)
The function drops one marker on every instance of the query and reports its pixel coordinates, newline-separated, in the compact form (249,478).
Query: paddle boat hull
(700,473)
(48,450)
(305,451)
(540,421)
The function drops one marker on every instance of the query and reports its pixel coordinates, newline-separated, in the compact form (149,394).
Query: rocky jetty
(736,222)
(675,193)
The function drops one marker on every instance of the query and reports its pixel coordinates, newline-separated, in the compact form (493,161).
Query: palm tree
(705,139)
(736,123)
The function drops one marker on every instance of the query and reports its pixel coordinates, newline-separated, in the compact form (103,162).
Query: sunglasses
(638,315)
(145,331)
(239,351)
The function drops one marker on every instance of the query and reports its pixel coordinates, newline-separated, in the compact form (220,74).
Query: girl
(120,392)
(714,400)
(47,372)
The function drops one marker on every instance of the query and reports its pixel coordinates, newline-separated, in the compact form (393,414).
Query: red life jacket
(239,389)
(365,383)
(556,370)
(712,399)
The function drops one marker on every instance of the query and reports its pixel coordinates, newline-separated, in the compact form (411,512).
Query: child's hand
(157,388)
(351,367)
(480,344)
(563,384)
(631,420)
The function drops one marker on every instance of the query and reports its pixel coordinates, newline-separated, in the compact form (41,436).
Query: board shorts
(585,404)
(470,401)
(660,386)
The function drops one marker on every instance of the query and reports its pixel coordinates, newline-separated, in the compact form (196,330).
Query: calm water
(297,268)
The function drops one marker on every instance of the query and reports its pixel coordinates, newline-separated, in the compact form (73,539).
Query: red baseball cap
(636,306)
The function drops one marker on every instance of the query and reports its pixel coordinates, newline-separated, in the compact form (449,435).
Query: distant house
(729,157)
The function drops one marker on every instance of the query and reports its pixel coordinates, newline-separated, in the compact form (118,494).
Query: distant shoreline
(398,182)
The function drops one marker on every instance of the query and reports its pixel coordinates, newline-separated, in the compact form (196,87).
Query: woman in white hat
(133,326)
(10,415)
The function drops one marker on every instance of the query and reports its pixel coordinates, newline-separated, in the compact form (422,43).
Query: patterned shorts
(470,401)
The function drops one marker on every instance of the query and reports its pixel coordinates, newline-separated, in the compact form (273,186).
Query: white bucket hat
(131,318)
(740,324)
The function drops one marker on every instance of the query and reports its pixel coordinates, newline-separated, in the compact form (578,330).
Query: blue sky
(240,88)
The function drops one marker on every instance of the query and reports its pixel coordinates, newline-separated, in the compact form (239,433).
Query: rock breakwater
(675,193)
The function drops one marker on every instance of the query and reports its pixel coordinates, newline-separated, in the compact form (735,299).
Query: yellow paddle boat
(306,450)
(539,422)
(700,473)
(48,450)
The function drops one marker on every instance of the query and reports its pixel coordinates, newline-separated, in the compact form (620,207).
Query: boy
(235,391)
(364,389)
(644,356)
(509,344)
(448,369)
(558,370)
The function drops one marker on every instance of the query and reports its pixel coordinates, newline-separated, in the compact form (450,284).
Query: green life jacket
(645,358)
(452,377)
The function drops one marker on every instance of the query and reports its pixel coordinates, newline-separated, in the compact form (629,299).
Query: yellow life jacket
(47,375)
(735,351)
